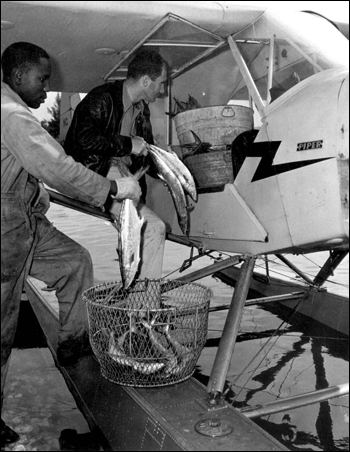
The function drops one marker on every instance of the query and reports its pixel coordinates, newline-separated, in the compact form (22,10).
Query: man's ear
(145,81)
(17,76)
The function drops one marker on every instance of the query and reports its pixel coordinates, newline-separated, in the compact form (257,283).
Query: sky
(337,11)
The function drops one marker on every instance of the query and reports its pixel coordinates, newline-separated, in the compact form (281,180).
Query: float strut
(228,339)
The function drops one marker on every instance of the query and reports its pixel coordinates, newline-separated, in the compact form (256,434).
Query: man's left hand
(42,204)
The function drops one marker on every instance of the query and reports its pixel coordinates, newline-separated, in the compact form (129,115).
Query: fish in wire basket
(166,353)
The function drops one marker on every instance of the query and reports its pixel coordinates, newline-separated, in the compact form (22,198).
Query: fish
(180,367)
(176,190)
(181,106)
(184,353)
(179,348)
(179,168)
(130,224)
(130,241)
(199,147)
(193,103)
(116,352)
(164,351)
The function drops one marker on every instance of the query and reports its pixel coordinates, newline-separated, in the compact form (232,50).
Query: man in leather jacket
(110,134)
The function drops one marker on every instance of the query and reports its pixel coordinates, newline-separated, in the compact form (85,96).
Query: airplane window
(289,68)
(298,53)
(179,42)
(296,50)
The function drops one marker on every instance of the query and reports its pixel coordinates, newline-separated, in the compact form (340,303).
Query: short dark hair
(146,62)
(21,55)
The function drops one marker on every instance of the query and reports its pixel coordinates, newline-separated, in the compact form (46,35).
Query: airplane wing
(290,67)
(88,40)
(85,40)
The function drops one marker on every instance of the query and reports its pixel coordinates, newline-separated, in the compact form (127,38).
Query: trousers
(153,235)
(31,245)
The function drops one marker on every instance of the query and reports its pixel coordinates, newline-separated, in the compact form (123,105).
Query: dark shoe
(8,435)
(66,360)
(67,356)
(71,440)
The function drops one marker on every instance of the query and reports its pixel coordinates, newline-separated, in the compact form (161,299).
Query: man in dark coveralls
(30,244)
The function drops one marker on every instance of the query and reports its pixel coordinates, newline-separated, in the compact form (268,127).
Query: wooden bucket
(217,125)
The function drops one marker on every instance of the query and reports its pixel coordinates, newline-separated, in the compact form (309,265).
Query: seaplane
(268,146)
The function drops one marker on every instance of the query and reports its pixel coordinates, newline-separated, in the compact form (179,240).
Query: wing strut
(335,258)
(228,339)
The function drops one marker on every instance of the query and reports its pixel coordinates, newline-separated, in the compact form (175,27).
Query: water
(37,402)
(302,358)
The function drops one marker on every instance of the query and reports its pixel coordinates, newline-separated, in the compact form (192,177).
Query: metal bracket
(187,263)
(213,403)
(213,427)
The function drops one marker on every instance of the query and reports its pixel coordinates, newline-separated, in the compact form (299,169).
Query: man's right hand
(139,146)
(128,187)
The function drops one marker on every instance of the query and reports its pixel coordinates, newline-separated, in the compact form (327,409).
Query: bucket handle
(228,112)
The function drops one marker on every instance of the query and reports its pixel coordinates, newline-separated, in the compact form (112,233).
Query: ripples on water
(302,359)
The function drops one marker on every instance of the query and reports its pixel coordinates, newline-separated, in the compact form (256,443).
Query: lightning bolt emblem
(267,151)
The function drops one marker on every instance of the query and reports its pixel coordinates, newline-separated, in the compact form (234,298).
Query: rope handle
(228,112)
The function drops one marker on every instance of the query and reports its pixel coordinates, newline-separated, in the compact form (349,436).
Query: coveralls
(30,244)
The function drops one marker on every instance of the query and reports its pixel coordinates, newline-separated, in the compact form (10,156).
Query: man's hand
(114,209)
(128,187)
(42,203)
(139,146)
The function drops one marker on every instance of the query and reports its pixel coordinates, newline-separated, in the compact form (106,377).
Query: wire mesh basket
(149,335)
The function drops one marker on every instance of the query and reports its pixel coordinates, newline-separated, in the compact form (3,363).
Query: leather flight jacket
(93,138)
